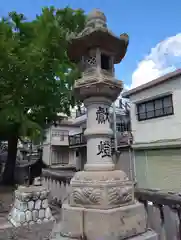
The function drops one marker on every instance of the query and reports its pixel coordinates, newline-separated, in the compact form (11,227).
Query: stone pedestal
(102,206)
(101,190)
(30,206)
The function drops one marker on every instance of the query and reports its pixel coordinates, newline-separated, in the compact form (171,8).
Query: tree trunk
(8,175)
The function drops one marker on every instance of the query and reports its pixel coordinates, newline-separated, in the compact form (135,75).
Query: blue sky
(153,24)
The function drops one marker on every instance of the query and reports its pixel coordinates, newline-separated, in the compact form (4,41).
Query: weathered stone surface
(31,222)
(13,213)
(117,223)
(44,195)
(48,213)
(31,232)
(39,221)
(26,196)
(35,197)
(45,203)
(35,215)
(38,204)
(31,205)
(21,217)
(37,181)
(122,222)
(16,203)
(149,235)
(23,206)
(72,221)
(46,220)
(26,210)
(28,216)
(41,213)
(52,219)
(38,194)
(102,190)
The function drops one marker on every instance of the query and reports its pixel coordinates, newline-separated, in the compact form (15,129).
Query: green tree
(36,76)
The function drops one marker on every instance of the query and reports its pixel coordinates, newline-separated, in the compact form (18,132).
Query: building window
(59,156)
(118,127)
(155,108)
(58,134)
(123,126)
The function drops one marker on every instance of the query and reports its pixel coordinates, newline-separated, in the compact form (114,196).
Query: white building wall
(80,120)
(74,131)
(48,135)
(72,157)
(56,147)
(59,155)
(52,139)
(62,139)
(163,128)
(47,154)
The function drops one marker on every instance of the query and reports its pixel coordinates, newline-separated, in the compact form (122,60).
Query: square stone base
(118,223)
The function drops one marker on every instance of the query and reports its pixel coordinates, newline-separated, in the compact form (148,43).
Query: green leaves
(35,72)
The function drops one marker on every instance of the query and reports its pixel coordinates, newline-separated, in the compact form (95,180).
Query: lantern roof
(97,35)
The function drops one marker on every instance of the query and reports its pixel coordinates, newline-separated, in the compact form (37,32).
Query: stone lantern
(101,203)
(96,49)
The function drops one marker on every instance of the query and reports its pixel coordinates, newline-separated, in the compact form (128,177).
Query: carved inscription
(102,115)
(104,149)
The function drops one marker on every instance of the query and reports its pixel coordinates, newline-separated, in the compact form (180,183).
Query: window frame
(58,134)
(164,108)
(118,127)
(123,126)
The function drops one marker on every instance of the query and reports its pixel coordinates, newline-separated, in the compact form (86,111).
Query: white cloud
(163,58)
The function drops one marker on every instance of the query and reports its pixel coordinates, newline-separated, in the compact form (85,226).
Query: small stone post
(101,203)
(30,206)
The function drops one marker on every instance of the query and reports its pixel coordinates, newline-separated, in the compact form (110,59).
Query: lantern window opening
(91,61)
(105,62)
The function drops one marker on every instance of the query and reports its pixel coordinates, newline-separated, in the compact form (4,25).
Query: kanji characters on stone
(104,149)
(102,115)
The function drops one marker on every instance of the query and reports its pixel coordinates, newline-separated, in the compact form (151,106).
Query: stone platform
(30,206)
(101,205)
(117,223)
(149,235)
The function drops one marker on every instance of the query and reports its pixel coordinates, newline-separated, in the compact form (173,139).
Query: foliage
(36,76)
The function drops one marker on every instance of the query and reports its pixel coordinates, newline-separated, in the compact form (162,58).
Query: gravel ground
(35,232)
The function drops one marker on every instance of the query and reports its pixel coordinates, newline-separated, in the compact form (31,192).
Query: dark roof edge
(152,83)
